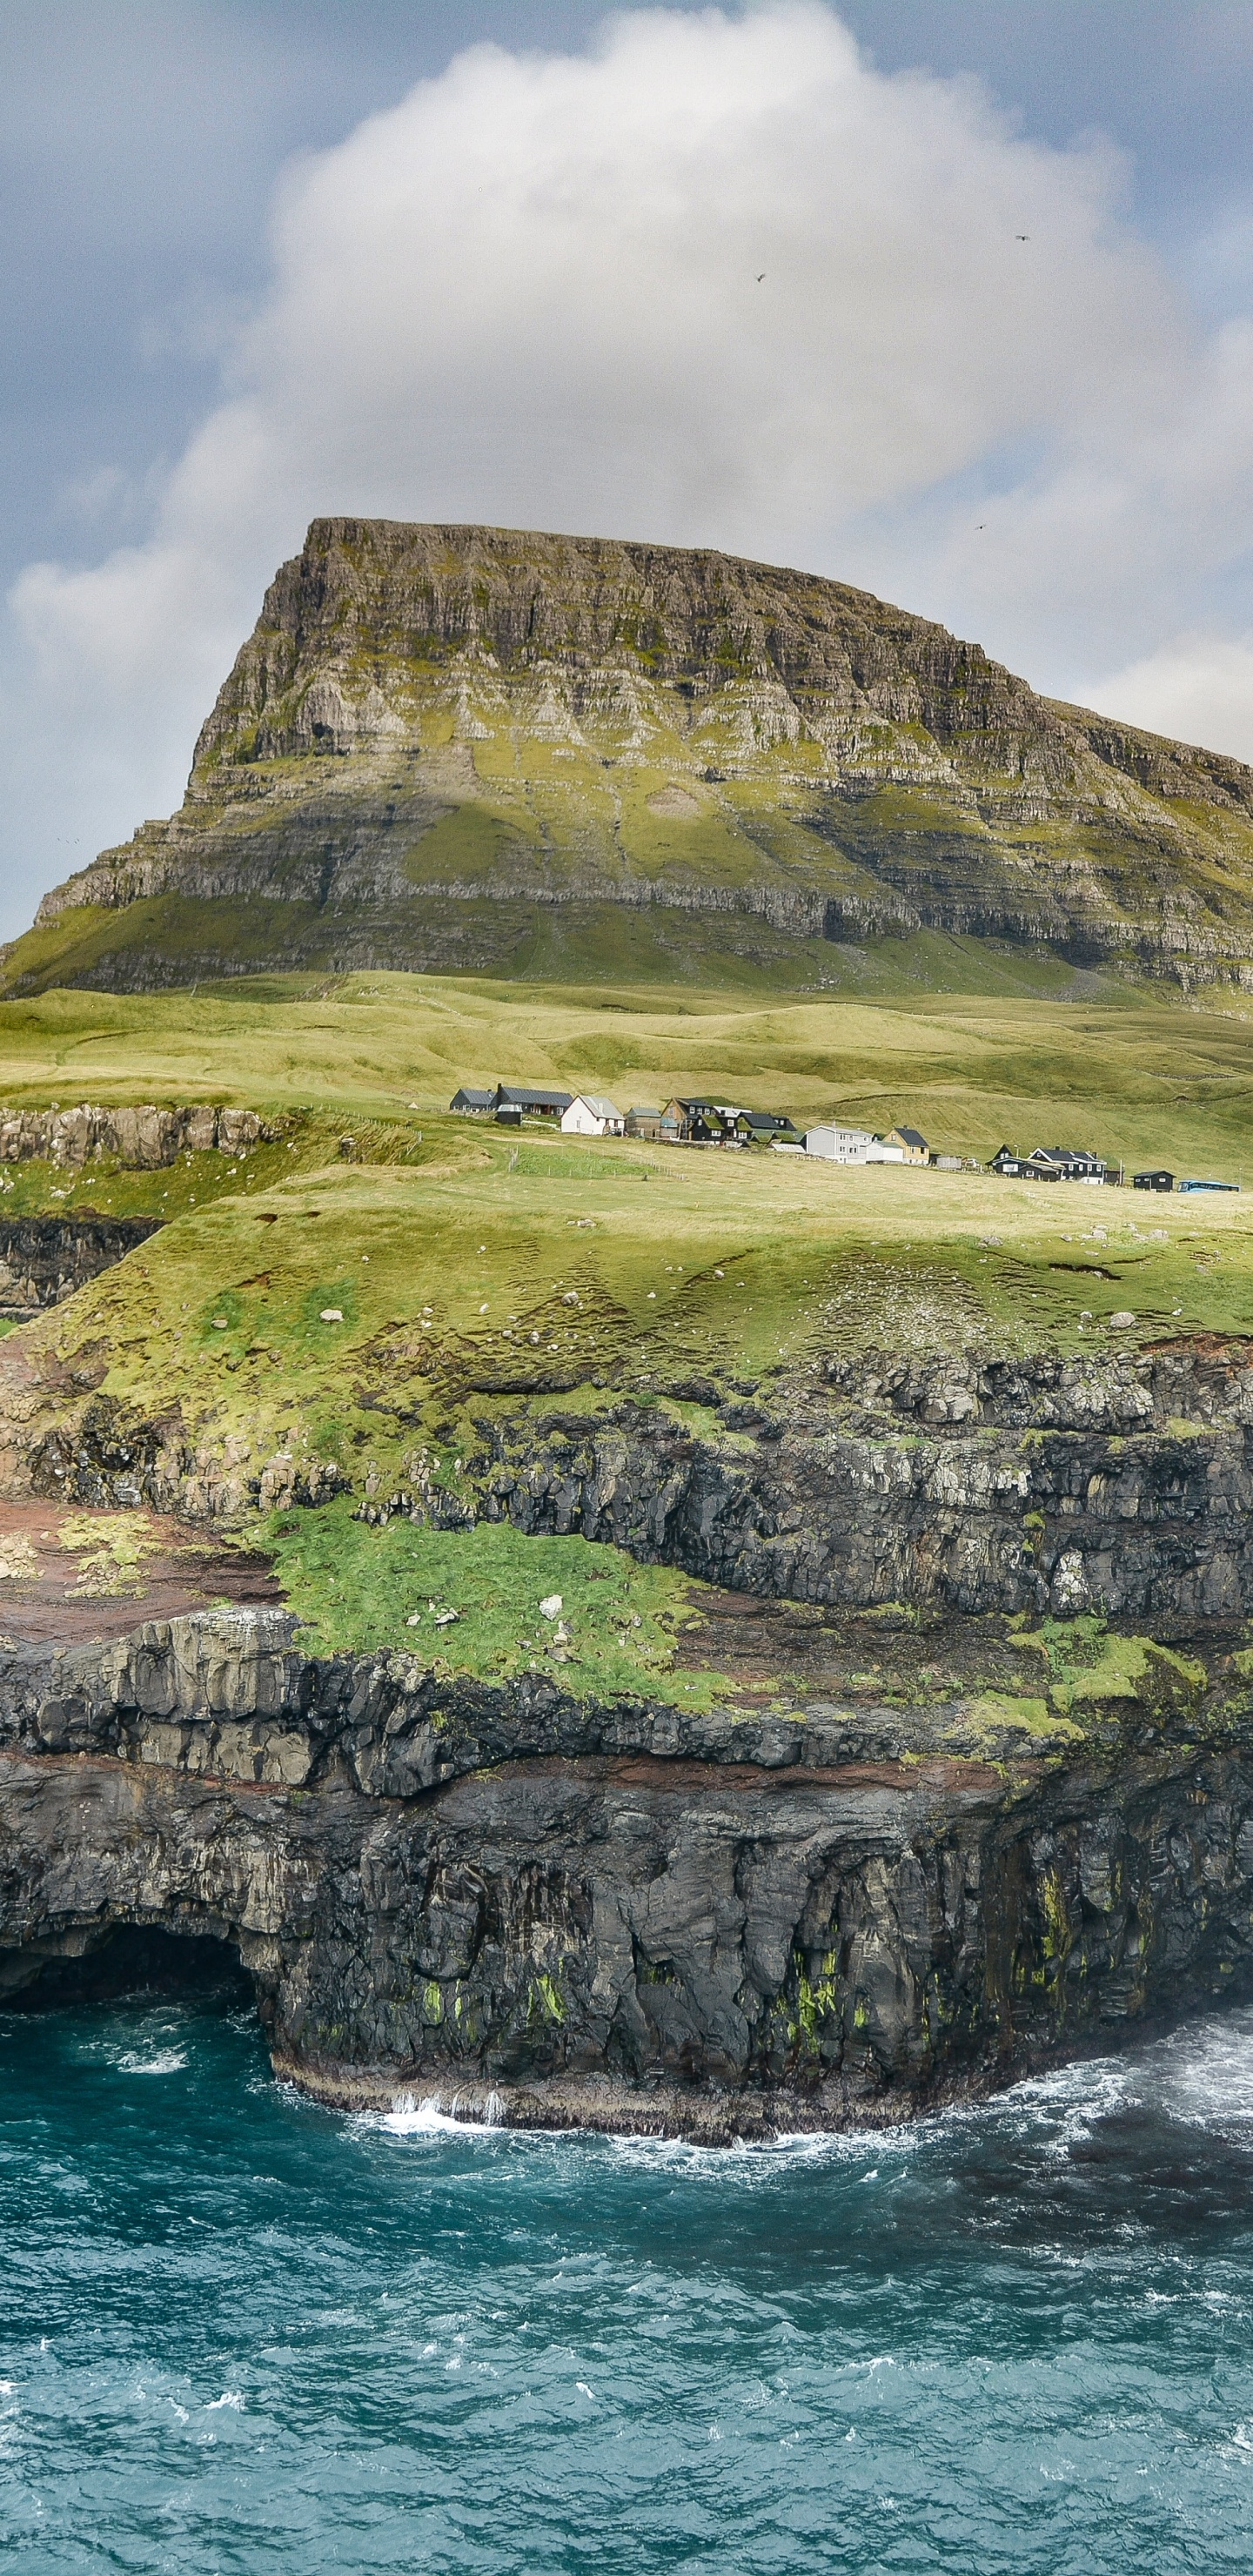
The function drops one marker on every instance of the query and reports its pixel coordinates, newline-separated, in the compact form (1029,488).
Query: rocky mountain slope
(458,748)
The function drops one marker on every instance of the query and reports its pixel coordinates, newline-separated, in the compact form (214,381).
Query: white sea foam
(166,2061)
(1203,2075)
(423,2117)
(230,2397)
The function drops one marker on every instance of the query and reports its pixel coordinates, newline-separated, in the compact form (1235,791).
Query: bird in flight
(1022,236)
(761,278)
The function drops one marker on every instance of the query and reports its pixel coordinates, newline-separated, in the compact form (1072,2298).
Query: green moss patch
(999,1713)
(361,1589)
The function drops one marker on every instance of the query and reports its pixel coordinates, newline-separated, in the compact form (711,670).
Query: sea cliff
(618,1916)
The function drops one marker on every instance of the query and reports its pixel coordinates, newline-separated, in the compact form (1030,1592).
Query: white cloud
(531,293)
(1197,689)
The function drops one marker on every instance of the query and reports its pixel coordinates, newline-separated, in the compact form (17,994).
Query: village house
(589,1115)
(766,1127)
(646,1122)
(534,1101)
(1051,1163)
(515,1100)
(853,1145)
(913,1145)
(697,1122)
(839,1144)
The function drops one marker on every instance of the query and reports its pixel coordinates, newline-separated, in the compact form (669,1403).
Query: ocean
(242,2335)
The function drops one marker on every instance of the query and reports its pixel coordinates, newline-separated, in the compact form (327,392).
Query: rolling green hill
(468,750)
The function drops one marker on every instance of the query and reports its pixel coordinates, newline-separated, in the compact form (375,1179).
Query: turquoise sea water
(240,2335)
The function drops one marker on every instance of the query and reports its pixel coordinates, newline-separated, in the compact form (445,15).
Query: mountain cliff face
(451,748)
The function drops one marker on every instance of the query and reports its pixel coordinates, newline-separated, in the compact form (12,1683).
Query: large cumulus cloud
(716,281)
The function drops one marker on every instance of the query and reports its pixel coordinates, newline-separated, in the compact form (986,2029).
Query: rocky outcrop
(43,1259)
(147,1139)
(443,747)
(1125,1487)
(616,1914)
(1122,1485)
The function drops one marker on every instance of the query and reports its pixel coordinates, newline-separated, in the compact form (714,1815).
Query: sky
(952,299)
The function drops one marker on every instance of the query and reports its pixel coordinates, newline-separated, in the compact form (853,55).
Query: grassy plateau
(383,1280)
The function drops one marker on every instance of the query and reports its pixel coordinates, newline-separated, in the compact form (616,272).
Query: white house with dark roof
(590,1115)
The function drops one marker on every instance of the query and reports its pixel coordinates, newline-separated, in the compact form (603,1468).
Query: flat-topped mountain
(475,749)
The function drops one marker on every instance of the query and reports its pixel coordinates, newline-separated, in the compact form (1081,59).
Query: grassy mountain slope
(470,750)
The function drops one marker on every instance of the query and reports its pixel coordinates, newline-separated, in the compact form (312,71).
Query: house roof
(470,1098)
(911,1136)
(1061,1154)
(764,1118)
(527,1095)
(599,1108)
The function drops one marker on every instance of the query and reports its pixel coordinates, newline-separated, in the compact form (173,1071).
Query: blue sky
(1047,444)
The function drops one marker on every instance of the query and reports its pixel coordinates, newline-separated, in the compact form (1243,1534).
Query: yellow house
(914,1147)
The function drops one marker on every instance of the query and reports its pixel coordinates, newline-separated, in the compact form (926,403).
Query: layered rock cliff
(618,1915)
(451,747)
(984,1796)
(1118,1485)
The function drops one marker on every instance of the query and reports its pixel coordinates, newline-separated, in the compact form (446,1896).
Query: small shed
(1153,1180)
(590,1115)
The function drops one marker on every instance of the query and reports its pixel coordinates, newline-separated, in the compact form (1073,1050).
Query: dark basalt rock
(43,1259)
(1124,1486)
(616,1915)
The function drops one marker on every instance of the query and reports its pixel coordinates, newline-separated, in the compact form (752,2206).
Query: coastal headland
(687,1638)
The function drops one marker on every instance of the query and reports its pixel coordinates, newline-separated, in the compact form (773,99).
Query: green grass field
(384,1280)
(608,1625)
(1141,1078)
(362,1311)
